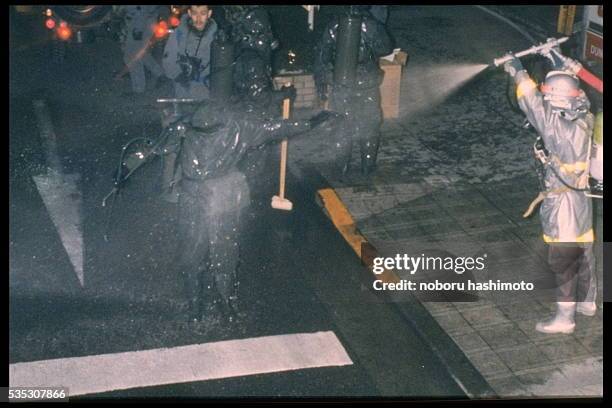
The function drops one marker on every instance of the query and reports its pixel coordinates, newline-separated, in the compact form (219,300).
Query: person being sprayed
(559,112)
(354,84)
(214,195)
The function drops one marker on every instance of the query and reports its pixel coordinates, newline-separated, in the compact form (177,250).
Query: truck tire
(83,16)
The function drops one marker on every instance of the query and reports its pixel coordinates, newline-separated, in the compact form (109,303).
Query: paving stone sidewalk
(456,177)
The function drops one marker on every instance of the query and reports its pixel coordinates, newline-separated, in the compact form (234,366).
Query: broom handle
(283,163)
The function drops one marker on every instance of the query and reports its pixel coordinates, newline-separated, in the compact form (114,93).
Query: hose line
(507,21)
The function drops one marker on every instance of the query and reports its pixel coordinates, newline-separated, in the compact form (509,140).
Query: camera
(191,67)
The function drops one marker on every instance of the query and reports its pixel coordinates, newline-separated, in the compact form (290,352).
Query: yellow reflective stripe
(586,237)
(573,167)
(524,87)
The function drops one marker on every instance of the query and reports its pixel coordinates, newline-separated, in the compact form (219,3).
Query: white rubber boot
(561,322)
(587,308)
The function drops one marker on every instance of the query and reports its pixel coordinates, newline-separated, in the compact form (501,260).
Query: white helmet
(561,89)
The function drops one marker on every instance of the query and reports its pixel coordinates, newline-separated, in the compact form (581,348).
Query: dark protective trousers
(210,232)
(575,274)
(363,115)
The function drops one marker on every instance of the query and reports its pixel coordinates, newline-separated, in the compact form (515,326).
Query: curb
(458,366)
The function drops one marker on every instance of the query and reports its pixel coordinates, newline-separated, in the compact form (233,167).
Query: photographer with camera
(187,53)
(187,62)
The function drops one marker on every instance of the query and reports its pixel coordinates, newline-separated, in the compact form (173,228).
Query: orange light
(161,29)
(48,13)
(50,23)
(63,32)
(174,21)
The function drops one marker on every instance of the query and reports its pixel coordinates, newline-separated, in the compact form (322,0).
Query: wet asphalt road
(297,274)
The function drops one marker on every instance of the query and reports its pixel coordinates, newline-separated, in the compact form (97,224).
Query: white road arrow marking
(60,194)
(198,362)
(63,201)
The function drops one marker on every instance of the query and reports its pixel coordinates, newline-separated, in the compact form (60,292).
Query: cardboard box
(391,85)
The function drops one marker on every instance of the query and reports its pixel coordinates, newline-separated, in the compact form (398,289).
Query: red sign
(593,49)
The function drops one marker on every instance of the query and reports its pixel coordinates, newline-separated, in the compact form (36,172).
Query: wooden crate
(391,85)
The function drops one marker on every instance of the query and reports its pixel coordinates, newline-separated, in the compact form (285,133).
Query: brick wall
(306,95)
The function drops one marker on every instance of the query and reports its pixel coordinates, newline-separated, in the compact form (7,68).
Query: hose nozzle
(543,48)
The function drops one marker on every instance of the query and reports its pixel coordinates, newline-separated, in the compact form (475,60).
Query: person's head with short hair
(199,16)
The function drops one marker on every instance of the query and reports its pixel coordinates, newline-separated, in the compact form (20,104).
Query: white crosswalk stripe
(200,362)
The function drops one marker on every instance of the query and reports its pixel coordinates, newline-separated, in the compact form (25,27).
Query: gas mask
(569,108)
(253,31)
(253,77)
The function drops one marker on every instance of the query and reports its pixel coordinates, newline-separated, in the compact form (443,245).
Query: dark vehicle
(83,24)
(75,24)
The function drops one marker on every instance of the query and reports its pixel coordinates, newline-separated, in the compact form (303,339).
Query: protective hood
(207,118)
(251,30)
(253,78)
(562,92)
(359,10)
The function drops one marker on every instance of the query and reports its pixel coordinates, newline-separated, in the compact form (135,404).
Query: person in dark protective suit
(214,194)
(359,99)
(559,112)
